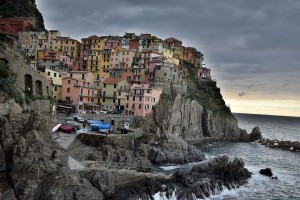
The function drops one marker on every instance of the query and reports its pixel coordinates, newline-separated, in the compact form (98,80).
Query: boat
(81,131)
(65,128)
(101,127)
(89,122)
(55,128)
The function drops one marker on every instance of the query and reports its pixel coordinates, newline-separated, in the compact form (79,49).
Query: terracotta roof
(113,80)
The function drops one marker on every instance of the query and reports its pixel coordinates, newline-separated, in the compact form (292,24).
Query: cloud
(242,94)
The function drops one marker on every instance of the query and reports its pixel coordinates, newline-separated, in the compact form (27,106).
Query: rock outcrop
(36,166)
(197,113)
(202,181)
(266,172)
(255,134)
(293,146)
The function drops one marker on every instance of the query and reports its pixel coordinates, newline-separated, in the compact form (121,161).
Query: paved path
(65,139)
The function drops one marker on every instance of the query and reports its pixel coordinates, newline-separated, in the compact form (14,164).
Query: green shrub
(28,100)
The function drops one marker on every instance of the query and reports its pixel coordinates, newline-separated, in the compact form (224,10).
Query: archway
(39,88)
(4,69)
(28,85)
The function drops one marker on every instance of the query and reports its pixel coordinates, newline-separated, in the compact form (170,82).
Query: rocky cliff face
(186,117)
(36,166)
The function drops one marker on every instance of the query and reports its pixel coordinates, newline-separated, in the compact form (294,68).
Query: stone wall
(42,106)
(14,56)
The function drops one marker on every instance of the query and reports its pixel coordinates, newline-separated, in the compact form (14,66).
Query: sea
(284,164)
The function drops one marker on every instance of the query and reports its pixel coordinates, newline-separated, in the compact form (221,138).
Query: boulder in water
(255,134)
(266,172)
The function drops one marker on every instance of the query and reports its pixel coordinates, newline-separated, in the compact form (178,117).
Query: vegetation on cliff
(205,92)
(22,8)
(7,80)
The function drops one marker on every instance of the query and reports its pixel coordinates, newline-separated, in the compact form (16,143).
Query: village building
(81,91)
(141,99)
(15,25)
(110,92)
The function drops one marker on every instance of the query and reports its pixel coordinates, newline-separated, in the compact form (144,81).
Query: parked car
(103,112)
(79,119)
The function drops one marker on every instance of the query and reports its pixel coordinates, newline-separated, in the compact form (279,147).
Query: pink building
(70,62)
(150,71)
(141,100)
(81,92)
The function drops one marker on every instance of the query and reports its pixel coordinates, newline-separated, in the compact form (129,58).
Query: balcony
(94,69)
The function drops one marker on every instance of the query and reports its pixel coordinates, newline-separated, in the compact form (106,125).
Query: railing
(114,165)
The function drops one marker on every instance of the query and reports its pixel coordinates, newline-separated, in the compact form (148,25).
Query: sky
(252,47)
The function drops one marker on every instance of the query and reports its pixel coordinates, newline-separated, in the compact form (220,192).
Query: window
(68,90)
(81,98)
(140,106)
(141,98)
(71,75)
(133,98)
(104,85)
(126,105)
(49,73)
(114,100)
(127,98)
(69,81)
(54,74)
(153,100)
(115,85)
(55,88)
(165,74)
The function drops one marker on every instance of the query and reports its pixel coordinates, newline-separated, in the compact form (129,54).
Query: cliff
(23,9)
(199,112)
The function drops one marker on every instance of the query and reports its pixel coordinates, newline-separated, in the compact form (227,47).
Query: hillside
(22,8)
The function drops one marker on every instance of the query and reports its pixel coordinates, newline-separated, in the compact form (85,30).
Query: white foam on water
(167,168)
(162,196)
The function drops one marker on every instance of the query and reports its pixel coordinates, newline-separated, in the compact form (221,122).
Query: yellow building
(110,93)
(96,58)
(177,53)
(167,52)
(93,60)
(56,82)
(41,54)
(68,46)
